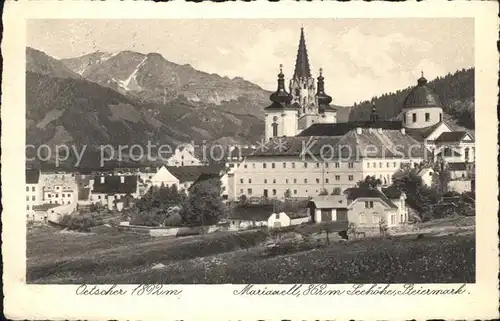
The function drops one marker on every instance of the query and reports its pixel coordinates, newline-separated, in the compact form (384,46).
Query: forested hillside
(456,92)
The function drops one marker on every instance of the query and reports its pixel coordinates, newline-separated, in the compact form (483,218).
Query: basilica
(308,152)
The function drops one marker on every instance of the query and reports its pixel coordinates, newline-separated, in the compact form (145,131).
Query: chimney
(122,179)
(102,179)
(403,130)
(359,130)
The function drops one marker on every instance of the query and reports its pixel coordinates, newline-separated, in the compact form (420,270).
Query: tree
(441,177)
(243,199)
(288,193)
(323,192)
(419,196)
(337,191)
(204,205)
(369,182)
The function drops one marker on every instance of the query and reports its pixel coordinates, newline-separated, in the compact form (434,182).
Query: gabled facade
(184,155)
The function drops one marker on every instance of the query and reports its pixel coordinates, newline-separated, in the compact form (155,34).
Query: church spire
(302,63)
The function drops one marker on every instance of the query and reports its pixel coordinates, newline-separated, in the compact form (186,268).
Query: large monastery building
(308,152)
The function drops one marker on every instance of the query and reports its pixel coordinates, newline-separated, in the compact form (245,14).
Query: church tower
(302,86)
(281,115)
(327,113)
(422,107)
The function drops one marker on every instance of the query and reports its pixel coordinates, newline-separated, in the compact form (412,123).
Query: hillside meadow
(443,254)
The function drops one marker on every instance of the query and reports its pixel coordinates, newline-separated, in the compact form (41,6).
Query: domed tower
(281,115)
(302,85)
(327,113)
(422,107)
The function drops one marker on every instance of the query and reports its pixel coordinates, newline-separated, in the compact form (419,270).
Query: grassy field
(445,253)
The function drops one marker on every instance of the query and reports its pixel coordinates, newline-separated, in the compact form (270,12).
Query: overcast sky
(360,57)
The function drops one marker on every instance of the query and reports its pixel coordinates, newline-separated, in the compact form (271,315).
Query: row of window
(57,202)
(274,192)
(287,181)
(57,195)
(376,218)
(32,188)
(305,165)
(381,165)
(427,117)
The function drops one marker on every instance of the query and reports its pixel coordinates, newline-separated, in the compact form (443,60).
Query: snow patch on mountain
(130,84)
(107,56)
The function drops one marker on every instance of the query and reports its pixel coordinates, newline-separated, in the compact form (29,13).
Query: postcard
(260,161)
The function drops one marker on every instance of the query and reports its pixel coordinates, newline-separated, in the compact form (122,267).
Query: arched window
(297,92)
(275,129)
(304,101)
(467,153)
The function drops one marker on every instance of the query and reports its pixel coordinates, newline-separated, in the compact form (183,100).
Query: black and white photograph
(293,158)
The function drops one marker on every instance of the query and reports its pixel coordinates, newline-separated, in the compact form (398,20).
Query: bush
(81,222)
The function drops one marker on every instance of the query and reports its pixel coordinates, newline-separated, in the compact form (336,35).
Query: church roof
(337,129)
(280,98)
(422,96)
(302,69)
(369,143)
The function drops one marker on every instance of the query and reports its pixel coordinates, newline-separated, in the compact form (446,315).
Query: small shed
(328,208)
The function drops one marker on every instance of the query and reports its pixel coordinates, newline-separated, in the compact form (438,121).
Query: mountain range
(127,98)
(130,98)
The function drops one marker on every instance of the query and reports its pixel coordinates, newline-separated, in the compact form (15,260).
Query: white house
(426,175)
(365,207)
(184,155)
(163,177)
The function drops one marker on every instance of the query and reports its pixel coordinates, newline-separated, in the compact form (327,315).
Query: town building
(184,155)
(107,189)
(366,208)
(33,192)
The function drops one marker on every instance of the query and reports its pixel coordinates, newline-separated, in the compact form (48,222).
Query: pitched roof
(302,69)
(421,134)
(32,176)
(459,166)
(192,173)
(252,212)
(451,137)
(339,129)
(354,193)
(366,143)
(113,185)
(391,192)
(329,201)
